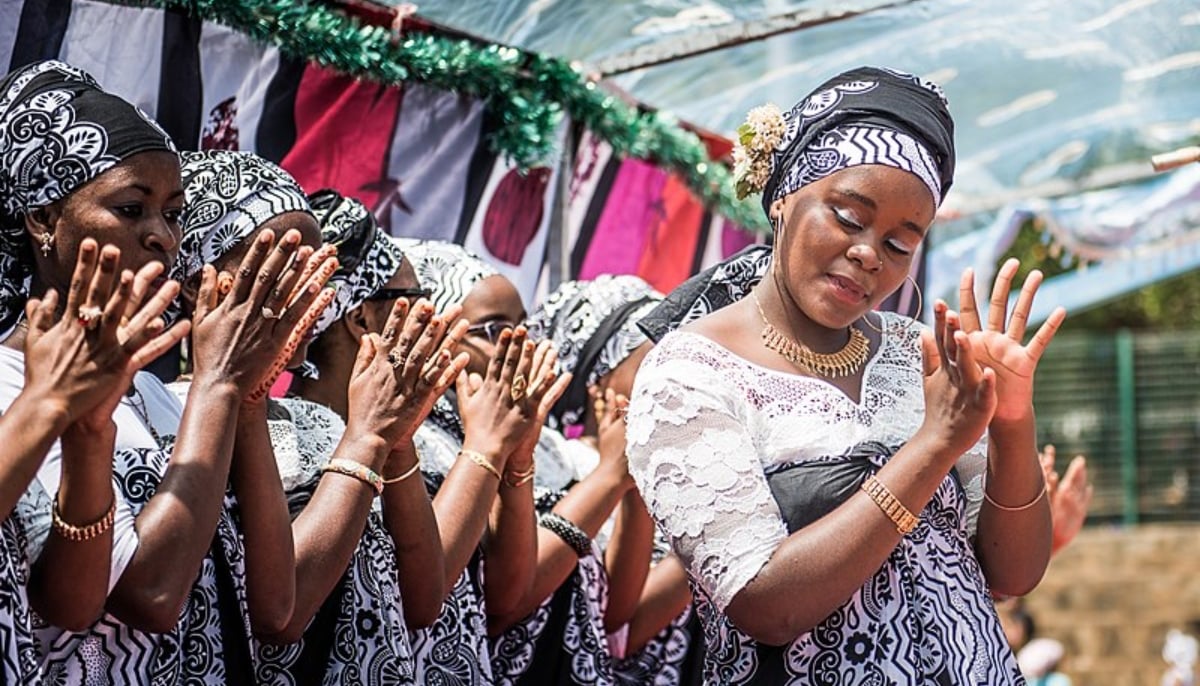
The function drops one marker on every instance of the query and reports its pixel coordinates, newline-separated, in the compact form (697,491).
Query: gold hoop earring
(920,304)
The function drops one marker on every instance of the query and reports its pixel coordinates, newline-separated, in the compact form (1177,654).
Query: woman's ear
(776,213)
(356,322)
(41,221)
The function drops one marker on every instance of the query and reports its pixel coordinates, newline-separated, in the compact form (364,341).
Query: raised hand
(502,407)
(242,327)
(109,329)
(610,418)
(999,346)
(398,376)
(319,266)
(1069,496)
(960,393)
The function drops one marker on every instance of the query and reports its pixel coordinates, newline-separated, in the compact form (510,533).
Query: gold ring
(395,360)
(89,317)
(519,386)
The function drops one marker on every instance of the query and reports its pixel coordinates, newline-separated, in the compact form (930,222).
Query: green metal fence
(1131,403)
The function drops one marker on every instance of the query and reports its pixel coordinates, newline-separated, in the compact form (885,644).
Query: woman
(595,326)
(93,166)
(456,278)
(72,362)
(332,470)
(798,440)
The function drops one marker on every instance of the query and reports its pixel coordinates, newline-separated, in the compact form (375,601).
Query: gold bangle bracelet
(79,534)
(397,479)
(515,479)
(1020,508)
(355,470)
(481,460)
(895,510)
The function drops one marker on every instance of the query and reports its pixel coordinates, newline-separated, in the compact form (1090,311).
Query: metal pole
(1127,424)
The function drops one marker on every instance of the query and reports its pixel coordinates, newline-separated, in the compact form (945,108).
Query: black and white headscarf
(229,195)
(864,116)
(58,131)
(368,257)
(449,270)
(593,324)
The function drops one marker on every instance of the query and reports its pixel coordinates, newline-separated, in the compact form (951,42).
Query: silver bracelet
(572,535)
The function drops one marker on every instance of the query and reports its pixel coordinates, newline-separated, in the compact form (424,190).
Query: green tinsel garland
(529,93)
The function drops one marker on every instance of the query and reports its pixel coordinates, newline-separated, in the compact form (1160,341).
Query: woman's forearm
(29,427)
(833,557)
(265,522)
(462,506)
(69,581)
(328,531)
(175,529)
(512,550)
(1015,530)
(627,560)
(420,560)
(665,595)
(587,505)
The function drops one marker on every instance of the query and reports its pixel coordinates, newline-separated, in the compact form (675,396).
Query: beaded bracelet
(566,530)
(79,534)
(481,460)
(355,470)
(515,479)
(900,515)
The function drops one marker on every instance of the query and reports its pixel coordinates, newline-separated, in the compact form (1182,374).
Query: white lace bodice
(706,426)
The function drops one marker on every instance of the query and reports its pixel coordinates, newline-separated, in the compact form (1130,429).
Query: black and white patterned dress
(18,645)
(563,641)
(454,651)
(359,635)
(207,644)
(709,432)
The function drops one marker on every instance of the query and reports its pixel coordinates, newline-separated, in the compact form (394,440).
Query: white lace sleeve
(694,460)
(972,474)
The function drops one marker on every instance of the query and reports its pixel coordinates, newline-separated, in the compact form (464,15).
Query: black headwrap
(864,116)
(58,131)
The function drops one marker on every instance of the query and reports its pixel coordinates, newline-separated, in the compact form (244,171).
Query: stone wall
(1111,596)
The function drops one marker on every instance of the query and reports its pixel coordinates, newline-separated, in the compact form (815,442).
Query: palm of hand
(1014,367)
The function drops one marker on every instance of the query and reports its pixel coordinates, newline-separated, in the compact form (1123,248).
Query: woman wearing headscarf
(807,456)
(595,325)
(363,530)
(82,164)
(71,366)
(456,647)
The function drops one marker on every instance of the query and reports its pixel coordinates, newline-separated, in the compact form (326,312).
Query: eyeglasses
(413,294)
(490,330)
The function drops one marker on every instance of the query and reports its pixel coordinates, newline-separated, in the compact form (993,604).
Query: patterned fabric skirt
(359,635)
(210,643)
(924,619)
(18,646)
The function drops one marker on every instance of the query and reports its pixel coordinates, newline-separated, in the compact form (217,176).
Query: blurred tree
(1171,304)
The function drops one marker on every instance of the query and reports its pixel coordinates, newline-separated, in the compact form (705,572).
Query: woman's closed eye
(847,219)
(900,248)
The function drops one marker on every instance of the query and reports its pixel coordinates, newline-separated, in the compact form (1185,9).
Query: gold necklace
(845,362)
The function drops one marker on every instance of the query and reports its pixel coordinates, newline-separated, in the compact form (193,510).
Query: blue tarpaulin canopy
(1051,99)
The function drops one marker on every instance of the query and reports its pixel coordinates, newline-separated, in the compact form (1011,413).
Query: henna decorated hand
(242,329)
